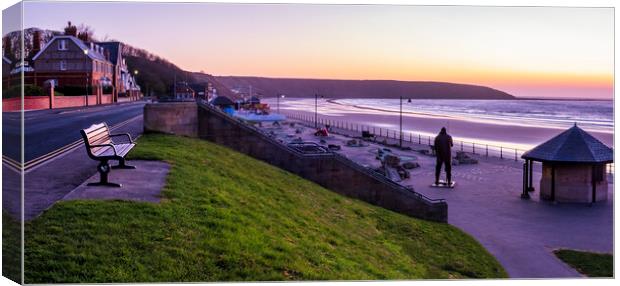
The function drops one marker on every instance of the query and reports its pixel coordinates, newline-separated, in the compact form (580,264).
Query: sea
(593,115)
(596,116)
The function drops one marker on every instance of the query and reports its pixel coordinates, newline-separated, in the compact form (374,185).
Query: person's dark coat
(443,146)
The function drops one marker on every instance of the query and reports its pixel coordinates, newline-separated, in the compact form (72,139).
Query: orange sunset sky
(525,51)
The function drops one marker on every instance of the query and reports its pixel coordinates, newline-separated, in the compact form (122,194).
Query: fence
(487,150)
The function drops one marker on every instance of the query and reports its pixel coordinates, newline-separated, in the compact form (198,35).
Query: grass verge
(588,263)
(228,217)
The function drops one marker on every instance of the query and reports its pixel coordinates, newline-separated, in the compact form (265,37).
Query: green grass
(11,248)
(588,263)
(228,217)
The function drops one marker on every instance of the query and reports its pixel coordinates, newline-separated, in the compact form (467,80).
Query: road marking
(41,160)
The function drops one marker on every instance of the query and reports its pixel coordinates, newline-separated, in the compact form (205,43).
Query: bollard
(515,155)
(461,145)
(487,147)
(501,153)
(419,139)
(473,147)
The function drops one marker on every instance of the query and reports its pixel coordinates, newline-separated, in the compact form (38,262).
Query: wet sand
(514,136)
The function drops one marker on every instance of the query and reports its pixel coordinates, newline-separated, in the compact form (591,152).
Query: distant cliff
(269,87)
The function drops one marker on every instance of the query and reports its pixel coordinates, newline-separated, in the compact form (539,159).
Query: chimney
(92,46)
(107,55)
(36,42)
(71,30)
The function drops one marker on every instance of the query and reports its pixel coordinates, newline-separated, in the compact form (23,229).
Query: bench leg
(121,165)
(104,169)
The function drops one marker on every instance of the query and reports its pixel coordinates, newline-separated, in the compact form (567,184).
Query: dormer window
(62,45)
(63,65)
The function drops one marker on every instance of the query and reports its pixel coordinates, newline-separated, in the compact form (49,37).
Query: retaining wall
(331,170)
(179,118)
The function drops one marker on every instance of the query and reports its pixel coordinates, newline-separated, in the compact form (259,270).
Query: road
(48,130)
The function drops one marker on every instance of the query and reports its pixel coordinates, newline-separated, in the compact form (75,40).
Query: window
(63,65)
(62,45)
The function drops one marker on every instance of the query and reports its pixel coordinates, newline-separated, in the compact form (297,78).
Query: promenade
(486,203)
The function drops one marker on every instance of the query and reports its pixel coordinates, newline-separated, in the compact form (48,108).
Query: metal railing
(355,129)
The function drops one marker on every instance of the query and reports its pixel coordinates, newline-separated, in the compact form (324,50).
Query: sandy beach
(461,128)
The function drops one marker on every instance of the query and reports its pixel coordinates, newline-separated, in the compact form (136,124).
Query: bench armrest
(123,134)
(104,145)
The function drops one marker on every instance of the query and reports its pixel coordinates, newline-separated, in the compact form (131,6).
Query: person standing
(443,151)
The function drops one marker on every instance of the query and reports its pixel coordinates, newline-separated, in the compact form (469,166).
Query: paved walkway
(486,203)
(144,183)
(52,180)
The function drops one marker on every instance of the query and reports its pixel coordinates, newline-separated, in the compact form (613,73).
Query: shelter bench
(100,147)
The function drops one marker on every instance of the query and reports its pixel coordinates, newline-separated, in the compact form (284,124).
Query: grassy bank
(588,263)
(228,217)
(11,248)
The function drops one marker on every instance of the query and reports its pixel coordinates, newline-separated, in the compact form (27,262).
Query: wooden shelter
(573,168)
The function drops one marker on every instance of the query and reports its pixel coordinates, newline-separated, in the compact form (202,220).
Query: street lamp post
(135,72)
(316,113)
(400,140)
(86,82)
(278,100)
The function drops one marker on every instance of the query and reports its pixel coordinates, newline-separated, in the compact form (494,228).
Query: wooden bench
(100,147)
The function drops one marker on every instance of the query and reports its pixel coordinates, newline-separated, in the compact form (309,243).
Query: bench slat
(99,138)
(95,127)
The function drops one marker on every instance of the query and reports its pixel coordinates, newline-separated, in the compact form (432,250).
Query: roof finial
(575,123)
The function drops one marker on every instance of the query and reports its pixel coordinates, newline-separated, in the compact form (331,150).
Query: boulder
(411,165)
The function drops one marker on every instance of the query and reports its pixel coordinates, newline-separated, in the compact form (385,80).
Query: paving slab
(144,183)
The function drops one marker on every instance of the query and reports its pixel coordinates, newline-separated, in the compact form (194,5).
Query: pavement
(142,184)
(486,204)
(51,179)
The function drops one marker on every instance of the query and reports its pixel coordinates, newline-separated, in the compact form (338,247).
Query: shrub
(106,89)
(74,90)
(16,91)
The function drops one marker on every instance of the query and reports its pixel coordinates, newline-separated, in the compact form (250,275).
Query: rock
(298,130)
(322,141)
(352,142)
(391,160)
(463,158)
(411,165)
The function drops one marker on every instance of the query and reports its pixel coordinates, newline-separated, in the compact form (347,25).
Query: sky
(525,51)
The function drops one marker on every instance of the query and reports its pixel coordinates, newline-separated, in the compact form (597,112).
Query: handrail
(338,157)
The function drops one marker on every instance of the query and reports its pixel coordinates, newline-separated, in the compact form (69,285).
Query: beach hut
(573,167)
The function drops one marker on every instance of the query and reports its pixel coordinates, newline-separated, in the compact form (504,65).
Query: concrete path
(486,203)
(141,184)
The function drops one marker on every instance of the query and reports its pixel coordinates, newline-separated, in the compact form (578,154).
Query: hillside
(227,217)
(269,87)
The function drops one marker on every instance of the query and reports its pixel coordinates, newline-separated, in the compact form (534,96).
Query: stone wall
(331,171)
(179,118)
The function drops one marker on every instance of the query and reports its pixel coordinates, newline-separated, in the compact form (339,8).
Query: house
(119,71)
(71,62)
(182,91)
